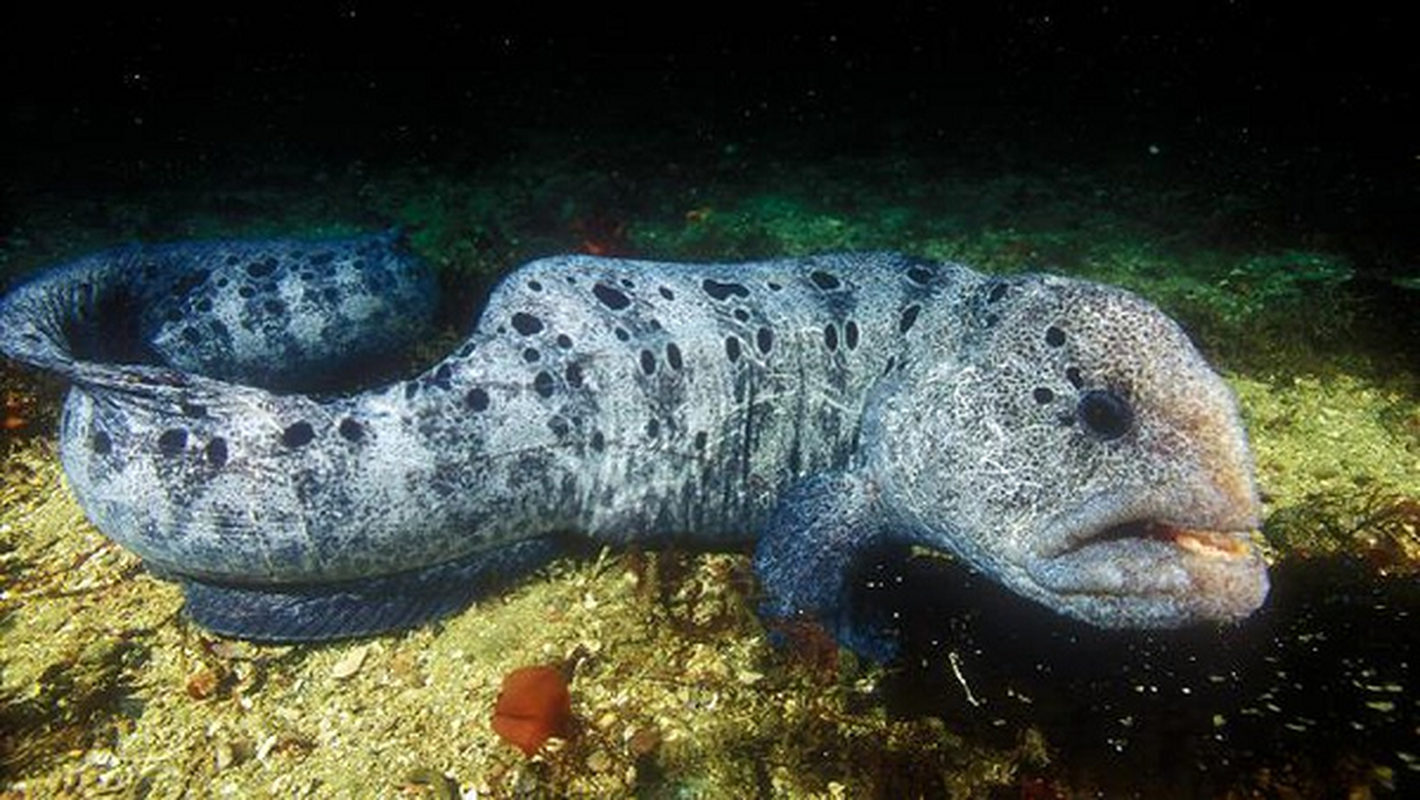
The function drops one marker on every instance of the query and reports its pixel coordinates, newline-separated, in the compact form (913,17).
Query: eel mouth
(1202,543)
(1123,570)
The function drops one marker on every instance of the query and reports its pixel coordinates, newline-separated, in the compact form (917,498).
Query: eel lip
(1219,532)
(1118,563)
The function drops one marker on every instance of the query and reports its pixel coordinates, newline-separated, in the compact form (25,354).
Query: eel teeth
(1200,542)
(1212,544)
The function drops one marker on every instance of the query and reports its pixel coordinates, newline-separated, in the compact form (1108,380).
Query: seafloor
(106,689)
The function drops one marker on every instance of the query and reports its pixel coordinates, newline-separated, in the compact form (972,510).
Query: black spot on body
(724,291)
(476,399)
(531,355)
(172,441)
(1105,413)
(700,440)
(648,362)
(908,318)
(732,348)
(764,339)
(574,376)
(598,442)
(611,297)
(830,337)
(653,428)
(667,293)
(826,281)
(192,335)
(536,286)
(410,390)
(997,292)
(850,335)
(1072,374)
(216,452)
(622,334)
(246,291)
(1054,336)
(741,315)
(564,341)
(350,430)
(275,307)
(526,324)
(774,286)
(101,444)
(442,375)
(1043,395)
(543,384)
(920,275)
(298,434)
(262,268)
(673,356)
(559,426)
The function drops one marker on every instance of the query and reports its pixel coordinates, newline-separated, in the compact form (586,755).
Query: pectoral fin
(807,552)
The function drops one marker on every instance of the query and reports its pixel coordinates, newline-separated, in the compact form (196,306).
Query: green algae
(1334,453)
(105,688)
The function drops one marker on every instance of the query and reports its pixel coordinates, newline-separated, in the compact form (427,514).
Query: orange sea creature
(16,412)
(533,706)
(698,215)
(601,234)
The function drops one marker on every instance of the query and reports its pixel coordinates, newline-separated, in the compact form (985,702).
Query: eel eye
(1105,413)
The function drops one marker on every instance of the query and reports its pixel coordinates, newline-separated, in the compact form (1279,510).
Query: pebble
(350,663)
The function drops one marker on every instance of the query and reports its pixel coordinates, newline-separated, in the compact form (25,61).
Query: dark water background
(1311,108)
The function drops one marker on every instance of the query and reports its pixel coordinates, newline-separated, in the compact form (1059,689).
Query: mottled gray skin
(1061,437)
(285,314)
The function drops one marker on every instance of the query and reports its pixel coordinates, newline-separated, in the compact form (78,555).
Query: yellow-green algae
(1339,462)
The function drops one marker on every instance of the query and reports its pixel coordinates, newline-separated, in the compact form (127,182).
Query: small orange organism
(533,706)
(17,412)
(698,215)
